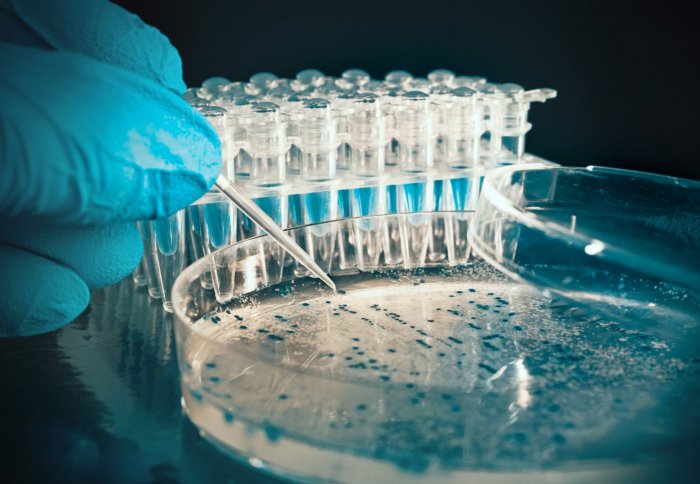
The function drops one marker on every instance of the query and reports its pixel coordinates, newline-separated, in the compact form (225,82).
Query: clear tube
(414,132)
(191,95)
(514,125)
(278,94)
(318,143)
(440,99)
(268,145)
(419,84)
(464,127)
(473,82)
(344,104)
(392,109)
(398,78)
(492,115)
(308,79)
(259,83)
(367,136)
(167,237)
(441,77)
(212,86)
(294,106)
(148,259)
(139,274)
(219,120)
(354,79)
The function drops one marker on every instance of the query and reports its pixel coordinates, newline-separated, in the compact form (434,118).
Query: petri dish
(626,243)
(426,371)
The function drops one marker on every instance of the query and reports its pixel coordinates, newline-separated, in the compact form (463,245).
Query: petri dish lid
(624,242)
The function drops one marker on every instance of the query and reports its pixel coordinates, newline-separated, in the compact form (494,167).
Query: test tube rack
(319,148)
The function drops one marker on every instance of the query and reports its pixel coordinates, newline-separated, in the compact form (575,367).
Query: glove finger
(98,29)
(97,143)
(37,294)
(99,254)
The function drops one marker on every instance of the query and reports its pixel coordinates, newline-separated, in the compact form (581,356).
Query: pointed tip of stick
(329,282)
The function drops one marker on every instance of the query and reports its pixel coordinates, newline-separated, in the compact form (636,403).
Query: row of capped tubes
(459,122)
(360,127)
(343,246)
(201,229)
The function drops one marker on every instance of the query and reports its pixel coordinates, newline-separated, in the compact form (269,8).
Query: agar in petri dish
(433,372)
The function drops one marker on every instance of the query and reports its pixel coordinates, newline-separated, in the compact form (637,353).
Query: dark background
(625,72)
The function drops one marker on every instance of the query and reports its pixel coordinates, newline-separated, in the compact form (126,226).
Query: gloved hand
(93,136)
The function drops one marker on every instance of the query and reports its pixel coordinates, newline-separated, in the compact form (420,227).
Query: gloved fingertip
(37,294)
(100,255)
(186,165)
(114,252)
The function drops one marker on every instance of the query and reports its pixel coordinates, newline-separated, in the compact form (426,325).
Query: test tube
(379,88)
(440,98)
(367,136)
(463,122)
(139,276)
(419,84)
(473,82)
(398,79)
(268,144)
(414,131)
(195,240)
(232,89)
(391,93)
(328,90)
(218,119)
(491,139)
(415,136)
(148,260)
(281,82)
(278,94)
(441,77)
(169,249)
(308,79)
(259,83)
(191,95)
(238,110)
(516,104)
(294,107)
(268,148)
(218,220)
(318,145)
(343,104)
(354,79)
(392,106)
(212,86)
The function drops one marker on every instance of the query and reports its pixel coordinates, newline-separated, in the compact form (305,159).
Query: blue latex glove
(93,136)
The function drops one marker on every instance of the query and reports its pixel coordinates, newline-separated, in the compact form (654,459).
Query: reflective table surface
(99,401)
